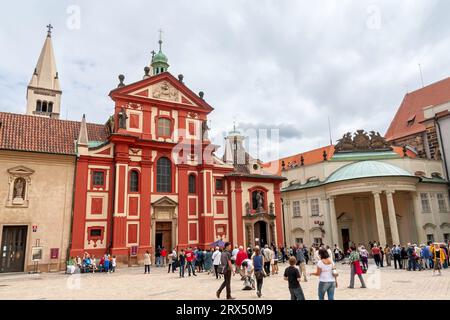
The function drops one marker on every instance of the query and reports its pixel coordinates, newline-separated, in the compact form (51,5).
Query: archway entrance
(261,233)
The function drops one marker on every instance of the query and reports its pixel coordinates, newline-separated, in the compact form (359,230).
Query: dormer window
(411,120)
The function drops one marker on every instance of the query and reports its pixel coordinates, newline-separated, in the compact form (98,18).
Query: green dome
(160,57)
(367,169)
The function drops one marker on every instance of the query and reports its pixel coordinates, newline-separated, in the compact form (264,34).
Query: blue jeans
(326,287)
(297,293)
(182,270)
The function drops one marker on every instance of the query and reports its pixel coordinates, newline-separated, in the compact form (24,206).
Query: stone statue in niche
(260,201)
(19,189)
(247,208)
(123,119)
(271,208)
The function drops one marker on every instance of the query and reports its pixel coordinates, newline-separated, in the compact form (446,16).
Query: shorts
(437,265)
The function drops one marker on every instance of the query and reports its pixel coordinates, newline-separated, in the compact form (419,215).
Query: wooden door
(12,258)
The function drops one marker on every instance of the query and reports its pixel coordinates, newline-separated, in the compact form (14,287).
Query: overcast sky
(284,64)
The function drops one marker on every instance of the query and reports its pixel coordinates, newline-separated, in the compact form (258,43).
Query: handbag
(334,272)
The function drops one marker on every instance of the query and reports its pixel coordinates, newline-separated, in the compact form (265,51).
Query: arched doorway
(261,233)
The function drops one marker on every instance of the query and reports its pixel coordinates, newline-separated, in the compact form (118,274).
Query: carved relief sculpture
(165,91)
(247,208)
(271,208)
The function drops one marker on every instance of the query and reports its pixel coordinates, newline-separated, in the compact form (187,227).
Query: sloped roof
(40,134)
(316,156)
(411,109)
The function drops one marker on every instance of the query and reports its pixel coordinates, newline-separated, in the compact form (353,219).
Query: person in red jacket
(163,256)
(189,261)
(240,257)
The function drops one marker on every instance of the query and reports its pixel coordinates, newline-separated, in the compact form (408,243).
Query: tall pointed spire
(83,138)
(44,91)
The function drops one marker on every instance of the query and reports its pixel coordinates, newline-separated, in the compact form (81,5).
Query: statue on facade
(361,140)
(345,144)
(260,201)
(247,208)
(19,189)
(271,208)
(377,142)
(205,130)
(123,119)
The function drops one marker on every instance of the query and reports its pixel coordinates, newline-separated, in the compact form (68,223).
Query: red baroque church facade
(157,182)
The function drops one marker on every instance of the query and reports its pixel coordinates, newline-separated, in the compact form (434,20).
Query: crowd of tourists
(252,265)
(90,264)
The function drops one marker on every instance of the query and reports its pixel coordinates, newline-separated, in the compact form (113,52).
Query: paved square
(132,284)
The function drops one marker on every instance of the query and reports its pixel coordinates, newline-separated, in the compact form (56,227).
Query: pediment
(20,171)
(163,87)
(164,202)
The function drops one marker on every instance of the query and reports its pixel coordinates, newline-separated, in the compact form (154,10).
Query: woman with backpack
(258,267)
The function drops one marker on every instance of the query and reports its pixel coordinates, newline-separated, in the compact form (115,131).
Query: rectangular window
(296,208)
(96,232)
(317,240)
(298,240)
(219,185)
(446,237)
(430,237)
(164,127)
(441,202)
(315,211)
(98,178)
(425,202)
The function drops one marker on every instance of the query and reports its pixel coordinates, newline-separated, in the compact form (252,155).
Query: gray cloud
(286,63)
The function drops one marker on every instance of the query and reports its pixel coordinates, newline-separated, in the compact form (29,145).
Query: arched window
(134,181)
(164,126)
(50,107)
(38,106)
(44,106)
(192,183)
(163,175)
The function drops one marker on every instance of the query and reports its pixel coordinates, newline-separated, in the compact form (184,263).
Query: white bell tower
(44,91)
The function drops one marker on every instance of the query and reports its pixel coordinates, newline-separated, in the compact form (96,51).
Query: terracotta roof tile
(38,134)
(313,157)
(411,109)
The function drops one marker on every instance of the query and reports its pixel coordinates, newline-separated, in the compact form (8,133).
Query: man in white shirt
(216,261)
(268,256)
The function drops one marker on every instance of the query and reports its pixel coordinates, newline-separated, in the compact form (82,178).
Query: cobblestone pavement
(132,284)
